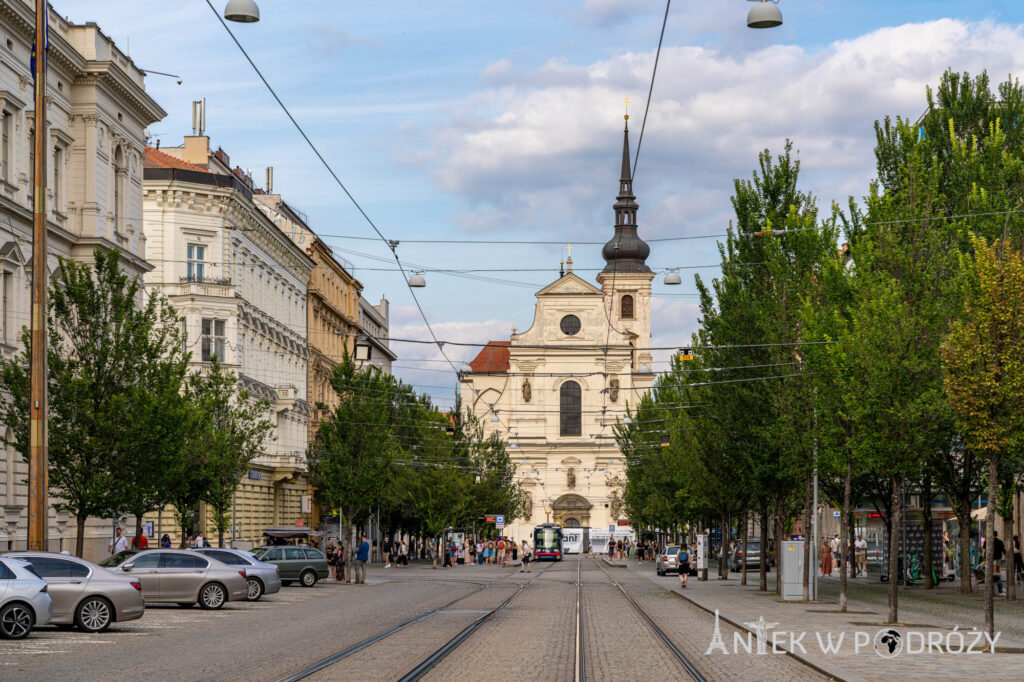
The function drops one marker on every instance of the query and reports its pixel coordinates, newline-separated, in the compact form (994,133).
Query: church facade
(555,391)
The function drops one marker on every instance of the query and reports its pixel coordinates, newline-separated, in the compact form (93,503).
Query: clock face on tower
(570,325)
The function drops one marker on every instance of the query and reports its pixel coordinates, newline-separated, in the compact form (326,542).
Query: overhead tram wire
(389,243)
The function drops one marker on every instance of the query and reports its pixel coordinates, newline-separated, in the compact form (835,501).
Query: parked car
(115,560)
(263,578)
(85,595)
(753,557)
(668,560)
(305,564)
(183,577)
(24,599)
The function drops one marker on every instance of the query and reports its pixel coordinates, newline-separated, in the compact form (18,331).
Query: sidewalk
(927,619)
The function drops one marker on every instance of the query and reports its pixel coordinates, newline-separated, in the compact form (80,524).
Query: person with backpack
(683,564)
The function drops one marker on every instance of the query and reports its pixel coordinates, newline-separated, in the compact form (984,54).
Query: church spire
(625,252)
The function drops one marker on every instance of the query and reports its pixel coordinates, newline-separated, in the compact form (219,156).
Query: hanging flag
(46,44)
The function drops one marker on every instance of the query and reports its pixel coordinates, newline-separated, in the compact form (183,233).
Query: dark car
(753,557)
(305,564)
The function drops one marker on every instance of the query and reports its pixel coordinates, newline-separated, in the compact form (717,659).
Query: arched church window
(570,409)
(627,307)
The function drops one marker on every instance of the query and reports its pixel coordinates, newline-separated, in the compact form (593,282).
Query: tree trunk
(1010,574)
(763,570)
(743,541)
(844,539)
(138,527)
(80,534)
(990,526)
(723,563)
(894,546)
(780,531)
(806,520)
(926,519)
(350,562)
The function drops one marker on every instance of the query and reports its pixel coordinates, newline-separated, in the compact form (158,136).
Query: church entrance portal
(572,510)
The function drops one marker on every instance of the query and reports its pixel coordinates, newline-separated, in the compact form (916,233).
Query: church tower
(626,279)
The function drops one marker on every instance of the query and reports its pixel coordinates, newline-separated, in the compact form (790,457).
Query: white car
(24,600)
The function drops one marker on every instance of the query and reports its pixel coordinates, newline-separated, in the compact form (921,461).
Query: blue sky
(470,120)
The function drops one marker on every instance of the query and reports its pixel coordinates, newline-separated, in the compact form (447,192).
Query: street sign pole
(38,465)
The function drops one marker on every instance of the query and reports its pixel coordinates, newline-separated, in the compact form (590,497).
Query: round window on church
(570,325)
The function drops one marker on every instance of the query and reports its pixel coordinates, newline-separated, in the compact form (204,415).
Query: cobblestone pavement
(921,615)
(258,641)
(531,638)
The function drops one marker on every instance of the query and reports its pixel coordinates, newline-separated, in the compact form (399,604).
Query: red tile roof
(157,159)
(493,357)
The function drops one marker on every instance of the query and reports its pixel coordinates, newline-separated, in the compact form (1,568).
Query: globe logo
(888,643)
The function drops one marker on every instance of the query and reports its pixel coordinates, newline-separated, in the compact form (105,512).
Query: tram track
(580,670)
(679,656)
(431,661)
(353,649)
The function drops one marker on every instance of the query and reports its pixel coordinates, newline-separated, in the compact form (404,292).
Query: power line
(390,244)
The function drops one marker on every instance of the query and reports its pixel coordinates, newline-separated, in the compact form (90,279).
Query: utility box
(791,570)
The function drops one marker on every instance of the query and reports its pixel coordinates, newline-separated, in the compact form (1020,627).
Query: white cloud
(540,147)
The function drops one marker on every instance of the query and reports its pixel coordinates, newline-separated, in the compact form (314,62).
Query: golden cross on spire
(570,250)
(626,100)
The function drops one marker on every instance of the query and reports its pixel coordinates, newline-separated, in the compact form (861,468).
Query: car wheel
(286,583)
(308,578)
(95,614)
(255,590)
(16,621)
(212,596)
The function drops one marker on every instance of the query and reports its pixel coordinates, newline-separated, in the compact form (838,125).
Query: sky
(463,120)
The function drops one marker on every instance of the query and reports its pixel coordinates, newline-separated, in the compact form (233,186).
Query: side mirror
(127,567)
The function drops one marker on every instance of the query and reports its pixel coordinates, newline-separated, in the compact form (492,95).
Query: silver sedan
(263,578)
(84,594)
(183,577)
(24,601)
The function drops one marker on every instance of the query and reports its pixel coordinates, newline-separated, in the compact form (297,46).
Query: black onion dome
(625,252)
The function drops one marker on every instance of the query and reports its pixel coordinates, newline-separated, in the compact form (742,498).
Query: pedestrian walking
(683,562)
(474,547)
(200,540)
(501,550)
(826,558)
(362,556)
(860,551)
(339,561)
(403,554)
(387,552)
(526,558)
(119,543)
(834,546)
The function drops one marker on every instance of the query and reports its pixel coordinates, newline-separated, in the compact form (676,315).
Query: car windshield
(671,551)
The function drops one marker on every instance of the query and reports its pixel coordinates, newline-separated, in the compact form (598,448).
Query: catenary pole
(38,465)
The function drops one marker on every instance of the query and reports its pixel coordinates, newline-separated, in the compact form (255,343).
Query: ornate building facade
(98,110)
(555,391)
(241,284)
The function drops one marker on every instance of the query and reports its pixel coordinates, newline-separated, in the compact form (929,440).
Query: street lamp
(672,277)
(242,11)
(417,280)
(765,14)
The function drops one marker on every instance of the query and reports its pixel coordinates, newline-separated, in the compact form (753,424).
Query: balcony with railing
(201,286)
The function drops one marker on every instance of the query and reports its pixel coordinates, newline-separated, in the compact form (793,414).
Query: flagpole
(38,466)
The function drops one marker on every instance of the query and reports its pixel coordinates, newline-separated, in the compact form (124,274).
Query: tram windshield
(545,539)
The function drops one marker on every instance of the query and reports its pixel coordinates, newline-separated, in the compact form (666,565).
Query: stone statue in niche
(528,504)
(616,505)
(527,391)
(613,389)
(570,478)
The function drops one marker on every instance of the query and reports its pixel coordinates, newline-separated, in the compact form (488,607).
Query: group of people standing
(856,555)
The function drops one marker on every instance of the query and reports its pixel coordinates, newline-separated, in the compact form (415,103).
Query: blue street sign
(499,521)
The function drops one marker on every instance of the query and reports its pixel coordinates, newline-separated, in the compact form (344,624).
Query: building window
(5,152)
(213,339)
(58,161)
(196,265)
(627,307)
(570,325)
(7,304)
(571,409)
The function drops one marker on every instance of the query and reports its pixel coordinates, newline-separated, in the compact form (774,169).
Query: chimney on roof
(270,180)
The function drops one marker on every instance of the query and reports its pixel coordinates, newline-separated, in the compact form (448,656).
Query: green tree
(107,344)
(984,379)
(234,433)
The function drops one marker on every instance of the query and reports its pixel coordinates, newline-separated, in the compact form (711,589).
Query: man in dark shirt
(362,556)
(387,552)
